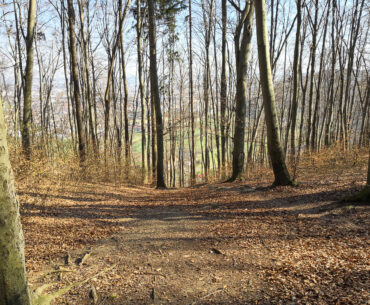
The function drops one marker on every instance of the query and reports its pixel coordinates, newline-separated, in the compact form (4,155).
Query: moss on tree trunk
(13,282)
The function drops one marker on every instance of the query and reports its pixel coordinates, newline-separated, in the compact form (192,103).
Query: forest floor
(239,243)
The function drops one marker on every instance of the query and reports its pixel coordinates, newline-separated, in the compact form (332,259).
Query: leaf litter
(279,246)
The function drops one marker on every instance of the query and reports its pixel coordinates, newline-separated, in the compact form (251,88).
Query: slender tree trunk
(153,142)
(141,83)
(223,86)
(76,85)
(155,94)
(327,138)
(65,67)
(107,100)
(281,173)
(27,111)
(355,26)
(87,77)
(317,102)
(13,281)
(295,79)
(125,104)
(313,58)
(206,80)
(191,93)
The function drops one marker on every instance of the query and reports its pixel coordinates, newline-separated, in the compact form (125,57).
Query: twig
(207,295)
(263,243)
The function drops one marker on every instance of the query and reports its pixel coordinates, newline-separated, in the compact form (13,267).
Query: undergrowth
(60,163)
(64,165)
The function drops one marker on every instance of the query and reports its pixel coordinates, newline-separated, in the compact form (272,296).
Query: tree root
(39,299)
(363,196)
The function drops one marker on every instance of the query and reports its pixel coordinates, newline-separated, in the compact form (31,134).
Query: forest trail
(212,244)
(169,256)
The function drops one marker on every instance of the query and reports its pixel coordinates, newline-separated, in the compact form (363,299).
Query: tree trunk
(315,120)
(107,100)
(368,172)
(191,96)
(86,69)
(155,94)
(76,85)
(327,139)
(281,173)
(13,281)
(295,80)
(223,86)
(141,84)
(125,105)
(26,124)
(312,80)
(206,80)
(242,51)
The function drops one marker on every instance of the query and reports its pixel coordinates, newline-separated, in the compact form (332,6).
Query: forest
(184,152)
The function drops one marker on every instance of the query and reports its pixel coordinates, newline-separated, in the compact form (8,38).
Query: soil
(211,244)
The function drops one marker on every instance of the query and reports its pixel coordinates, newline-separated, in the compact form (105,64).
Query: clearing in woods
(211,244)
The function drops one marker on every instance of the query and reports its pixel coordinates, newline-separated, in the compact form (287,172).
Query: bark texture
(295,80)
(13,281)
(242,40)
(276,154)
(26,124)
(223,93)
(76,84)
(155,95)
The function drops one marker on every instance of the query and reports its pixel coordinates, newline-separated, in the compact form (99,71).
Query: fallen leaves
(283,245)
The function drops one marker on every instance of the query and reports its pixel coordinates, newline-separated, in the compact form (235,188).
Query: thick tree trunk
(76,85)
(13,281)
(26,124)
(242,52)
(155,94)
(281,173)
(364,194)
(368,172)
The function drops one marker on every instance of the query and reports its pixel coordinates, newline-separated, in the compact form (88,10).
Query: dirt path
(169,256)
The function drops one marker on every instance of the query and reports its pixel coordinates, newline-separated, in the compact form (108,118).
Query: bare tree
(276,154)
